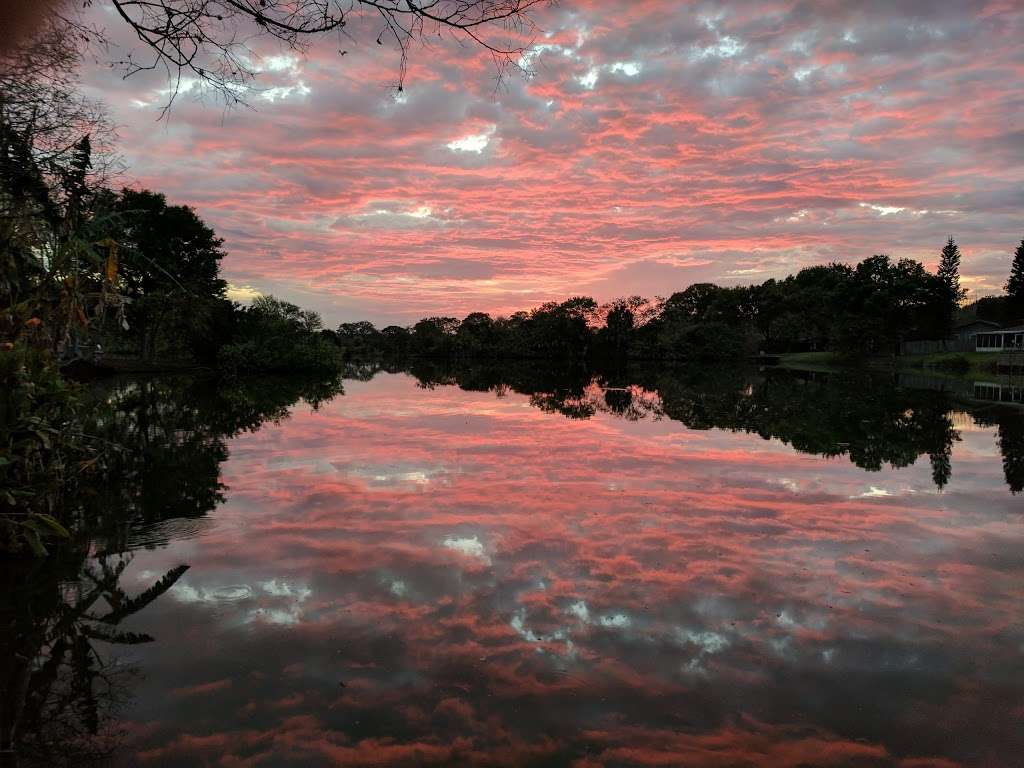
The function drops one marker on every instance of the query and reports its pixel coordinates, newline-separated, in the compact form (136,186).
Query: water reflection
(870,419)
(61,684)
(435,570)
(61,696)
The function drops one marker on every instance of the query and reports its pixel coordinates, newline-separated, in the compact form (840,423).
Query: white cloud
(392,215)
(280,63)
(726,48)
(873,492)
(580,611)
(270,591)
(470,546)
(242,293)
(708,642)
(883,210)
(589,80)
(628,68)
(476,142)
(284,589)
(284,91)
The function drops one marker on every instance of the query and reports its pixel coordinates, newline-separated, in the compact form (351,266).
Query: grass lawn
(947,363)
(808,359)
(977,362)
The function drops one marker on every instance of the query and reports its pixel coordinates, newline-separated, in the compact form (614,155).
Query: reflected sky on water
(435,576)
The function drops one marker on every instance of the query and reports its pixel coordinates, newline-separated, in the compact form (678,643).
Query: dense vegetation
(84,268)
(854,311)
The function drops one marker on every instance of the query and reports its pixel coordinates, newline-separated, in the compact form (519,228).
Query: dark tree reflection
(60,688)
(1011,445)
(60,683)
(867,418)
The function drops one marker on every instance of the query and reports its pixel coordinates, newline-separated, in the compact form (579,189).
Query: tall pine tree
(1015,285)
(949,272)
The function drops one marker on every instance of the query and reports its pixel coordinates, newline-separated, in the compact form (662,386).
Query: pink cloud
(747,140)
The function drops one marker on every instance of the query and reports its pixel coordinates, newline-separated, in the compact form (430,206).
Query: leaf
(137,603)
(119,638)
(110,268)
(35,543)
(52,525)
(88,463)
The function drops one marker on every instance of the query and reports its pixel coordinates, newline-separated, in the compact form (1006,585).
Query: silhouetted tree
(949,273)
(358,338)
(476,335)
(40,100)
(692,304)
(619,324)
(169,267)
(272,335)
(886,303)
(395,339)
(434,335)
(1015,284)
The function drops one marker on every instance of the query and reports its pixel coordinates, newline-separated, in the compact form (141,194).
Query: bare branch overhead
(207,39)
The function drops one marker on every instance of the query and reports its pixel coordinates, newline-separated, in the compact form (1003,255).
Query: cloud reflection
(699,610)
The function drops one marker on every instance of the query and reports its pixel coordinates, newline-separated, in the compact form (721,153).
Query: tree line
(855,312)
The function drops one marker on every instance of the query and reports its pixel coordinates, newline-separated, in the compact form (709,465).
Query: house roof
(1012,329)
(974,321)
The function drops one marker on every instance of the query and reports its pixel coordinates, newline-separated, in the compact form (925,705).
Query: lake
(499,567)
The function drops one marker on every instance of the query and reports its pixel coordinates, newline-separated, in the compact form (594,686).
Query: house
(1000,340)
(966,329)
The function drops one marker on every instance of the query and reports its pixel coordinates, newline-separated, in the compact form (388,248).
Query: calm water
(735,571)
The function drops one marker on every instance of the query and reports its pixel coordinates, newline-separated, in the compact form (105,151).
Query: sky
(655,144)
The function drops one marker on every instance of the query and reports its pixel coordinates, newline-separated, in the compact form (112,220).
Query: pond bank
(979,381)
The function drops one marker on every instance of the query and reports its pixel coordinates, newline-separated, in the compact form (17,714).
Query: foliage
(43,451)
(714,340)
(855,312)
(276,336)
(949,272)
(80,265)
(1015,283)
(997,309)
(169,271)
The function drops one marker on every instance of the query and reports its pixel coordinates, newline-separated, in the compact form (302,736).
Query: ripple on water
(165,531)
(230,594)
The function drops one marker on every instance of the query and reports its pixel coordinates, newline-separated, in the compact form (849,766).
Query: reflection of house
(966,330)
(1000,339)
(1002,393)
